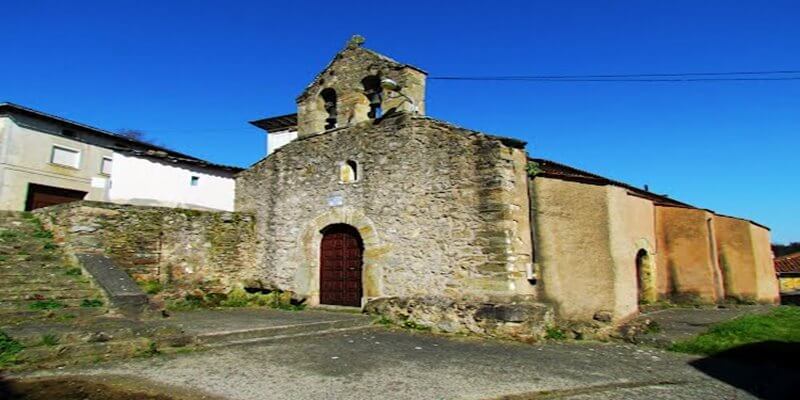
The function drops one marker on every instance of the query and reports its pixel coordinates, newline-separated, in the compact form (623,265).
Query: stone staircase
(35,280)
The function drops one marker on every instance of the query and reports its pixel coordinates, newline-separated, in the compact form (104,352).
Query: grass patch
(90,303)
(9,348)
(651,328)
(46,305)
(409,324)
(151,286)
(781,324)
(49,339)
(75,271)
(7,234)
(66,317)
(555,333)
(150,351)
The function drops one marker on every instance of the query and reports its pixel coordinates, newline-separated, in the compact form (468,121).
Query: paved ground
(376,363)
(213,321)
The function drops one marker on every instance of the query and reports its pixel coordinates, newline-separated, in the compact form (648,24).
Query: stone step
(257,335)
(25,305)
(52,293)
(34,269)
(61,355)
(15,317)
(61,280)
(102,329)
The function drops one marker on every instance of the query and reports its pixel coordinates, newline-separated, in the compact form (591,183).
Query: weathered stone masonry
(442,210)
(184,249)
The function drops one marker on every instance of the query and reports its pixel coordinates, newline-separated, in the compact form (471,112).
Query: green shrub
(9,348)
(151,286)
(652,327)
(49,339)
(237,298)
(49,304)
(409,324)
(90,303)
(75,271)
(555,333)
(149,351)
(43,234)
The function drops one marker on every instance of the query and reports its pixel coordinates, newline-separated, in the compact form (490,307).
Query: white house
(47,160)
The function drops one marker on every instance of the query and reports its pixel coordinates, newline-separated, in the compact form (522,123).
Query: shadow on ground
(68,388)
(768,370)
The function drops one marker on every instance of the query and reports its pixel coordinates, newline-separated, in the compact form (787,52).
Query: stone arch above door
(307,277)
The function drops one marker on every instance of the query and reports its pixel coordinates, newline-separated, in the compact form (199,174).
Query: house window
(105,166)
(195,181)
(66,157)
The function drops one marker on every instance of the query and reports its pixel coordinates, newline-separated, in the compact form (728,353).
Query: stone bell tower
(350,90)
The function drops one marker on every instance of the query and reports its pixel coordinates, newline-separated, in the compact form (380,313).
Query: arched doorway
(340,266)
(644,276)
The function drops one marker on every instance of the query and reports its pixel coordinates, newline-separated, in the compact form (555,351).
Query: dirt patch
(86,388)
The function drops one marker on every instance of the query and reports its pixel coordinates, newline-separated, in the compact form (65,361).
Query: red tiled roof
(788,263)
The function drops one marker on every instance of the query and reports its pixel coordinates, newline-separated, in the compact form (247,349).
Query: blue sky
(191,74)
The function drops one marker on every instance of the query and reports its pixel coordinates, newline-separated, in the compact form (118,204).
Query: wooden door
(42,196)
(340,266)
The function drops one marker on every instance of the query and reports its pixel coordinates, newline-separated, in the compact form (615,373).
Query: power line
(660,77)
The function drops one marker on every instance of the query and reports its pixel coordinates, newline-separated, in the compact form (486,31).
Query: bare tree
(135,134)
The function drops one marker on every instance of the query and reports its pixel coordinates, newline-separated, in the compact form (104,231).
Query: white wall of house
(142,181)
(276,140)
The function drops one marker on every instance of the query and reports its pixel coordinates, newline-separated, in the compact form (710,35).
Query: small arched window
(329,99)
(348,172)
(374,93)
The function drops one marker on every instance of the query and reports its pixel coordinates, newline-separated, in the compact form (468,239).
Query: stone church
(378,206)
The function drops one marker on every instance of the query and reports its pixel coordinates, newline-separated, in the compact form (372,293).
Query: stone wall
(184,249)
(440,209)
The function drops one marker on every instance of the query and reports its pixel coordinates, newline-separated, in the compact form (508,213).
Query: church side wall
(687,255)
(767,287)
(736,258)
(632,226)
(573,243)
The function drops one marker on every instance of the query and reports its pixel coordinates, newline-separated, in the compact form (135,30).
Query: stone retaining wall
(182,249)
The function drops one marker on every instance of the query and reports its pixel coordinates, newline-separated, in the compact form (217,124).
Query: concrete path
(380,364)
(250,325)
